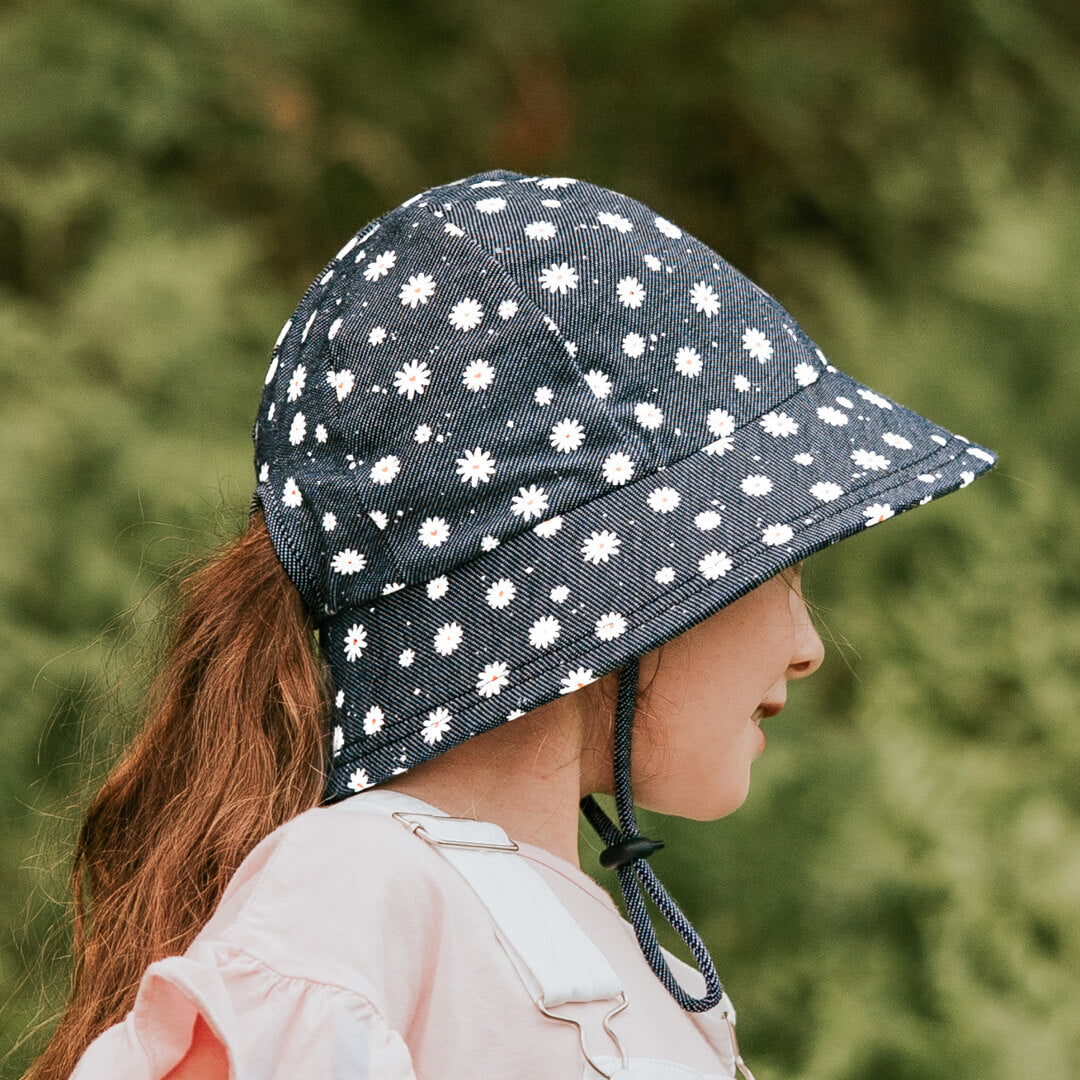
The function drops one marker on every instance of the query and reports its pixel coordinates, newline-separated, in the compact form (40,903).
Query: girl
(522,440)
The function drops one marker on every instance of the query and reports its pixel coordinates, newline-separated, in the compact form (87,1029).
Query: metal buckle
(623,1059)
(741,1065)
(417,828)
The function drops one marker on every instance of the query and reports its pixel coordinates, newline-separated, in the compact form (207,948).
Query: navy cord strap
(627,850)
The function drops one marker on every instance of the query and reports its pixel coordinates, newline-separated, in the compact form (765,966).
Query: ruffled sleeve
(217,1013)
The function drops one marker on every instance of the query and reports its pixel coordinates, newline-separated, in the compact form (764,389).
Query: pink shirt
(346,947)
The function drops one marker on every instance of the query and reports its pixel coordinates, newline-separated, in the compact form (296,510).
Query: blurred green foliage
(900,897)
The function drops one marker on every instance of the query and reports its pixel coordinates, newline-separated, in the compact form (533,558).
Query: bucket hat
(521,430)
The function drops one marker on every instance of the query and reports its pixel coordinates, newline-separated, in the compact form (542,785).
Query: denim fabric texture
(522,429)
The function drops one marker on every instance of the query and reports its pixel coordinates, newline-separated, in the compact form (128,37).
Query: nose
(808,652)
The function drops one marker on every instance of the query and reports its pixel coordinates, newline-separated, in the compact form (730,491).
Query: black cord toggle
(628,851)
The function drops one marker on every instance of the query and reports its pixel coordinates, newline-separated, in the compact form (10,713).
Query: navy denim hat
(522,430)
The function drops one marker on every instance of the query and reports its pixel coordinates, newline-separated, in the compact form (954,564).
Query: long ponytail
(232,747)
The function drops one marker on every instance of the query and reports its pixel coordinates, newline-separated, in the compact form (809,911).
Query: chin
(697,803)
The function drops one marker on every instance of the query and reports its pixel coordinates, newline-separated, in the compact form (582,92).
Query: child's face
(698,735)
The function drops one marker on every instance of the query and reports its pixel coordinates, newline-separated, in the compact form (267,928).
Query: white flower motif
(774,535)
(492,679)
(846,402)
(321,434)
(966,477)
(633,345)
(358,780)
(417,290)
(614,221)
(618,468)
(355,640)
(598,383)
(664,499)
(805,374)
(757,344)
(374,719)
(385,469)
(756,485)
(329,521)
(559,278)
(491,206)
(339,698)
(665,575)
(549,527)
(688,361)
(550,183)
(297,429)
(348,561)
(720,422)
(803,459)
(529,502)
(466,314)
(377,335)
(436,724)
(271,371)
(296,383)
(610,625)
(832,416)
(824,491)
(868,459)
(544,631)
(433,532)
(422,433)
(290,495)
(447,638)
(406,657)
(507,309)
(339,739)
(501,592)
(379,517)
(335,326)
(437,587)
(576,678)
(649,415)
(560,593)
(600,546)
(877,512)
(874,399)
(264,472)
(666,227)
(380,266)
(981,454)
(897,441)
(741,383)
(540,230)
(489,543)
(705,299)
(476,467)
(567,435)
(719,446)
(707,519)
(652,262)
(779,424)
(630,292)
(412,378)
(571,347)
(392,586)
(478,375)
(543,395)
(714,564)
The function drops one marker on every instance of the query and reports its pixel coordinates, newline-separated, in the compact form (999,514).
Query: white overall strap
(554,957)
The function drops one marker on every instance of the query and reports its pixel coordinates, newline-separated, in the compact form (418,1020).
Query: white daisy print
(600,546)
(707,519)
(436,724)
(779,424)
(757,344)
(666,227)
(549,527)
(374,719)
(826,491)
(296,383)
(392,586)
(846,402)
(648,415)
(501,592)
(433,532)
(491,206)
(339,739)
(559,278)
(385,469)
(775,535)
(630,292)
(271,371)
(379,517)
(321,434)
(478,375)
(476,467)
(576,678)
(615,221)
(832,416)
(868,459)
(610,625)
(805,374)
(540,230)
(329,521)
(665,575)
(897,441)
(507,309)
(380,266)
(715,564)
(297,429)
(652,262)
(664,499)
(544,631)
(719,446)
(688,362)
(492,679)
(705,299)
(741,383)
(290,494)
(466,314)
(966,477)
(571,347)
(447,638)
(406,657)
(803,459)
(567,435)
(412,378)
(720,422)
(877,512)
(270,411)
(377,335)
(358,780)
(264,472)
(543,395)
(618,468)
(489,543)
(756,485)
(438,587)
(560,593)
(551,183)
(422,433)
(417,290)
(355,641)
(598,383)
(348,561)
(339,698)
(874,399)
(529,502)
(633,345)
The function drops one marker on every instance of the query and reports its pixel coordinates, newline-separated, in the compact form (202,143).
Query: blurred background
(899,899)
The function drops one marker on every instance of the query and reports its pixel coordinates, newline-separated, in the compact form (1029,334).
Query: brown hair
(232,747)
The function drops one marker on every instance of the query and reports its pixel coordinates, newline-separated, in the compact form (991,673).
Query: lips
(766,708)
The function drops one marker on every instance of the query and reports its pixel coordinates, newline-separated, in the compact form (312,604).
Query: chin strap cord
(627,851)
